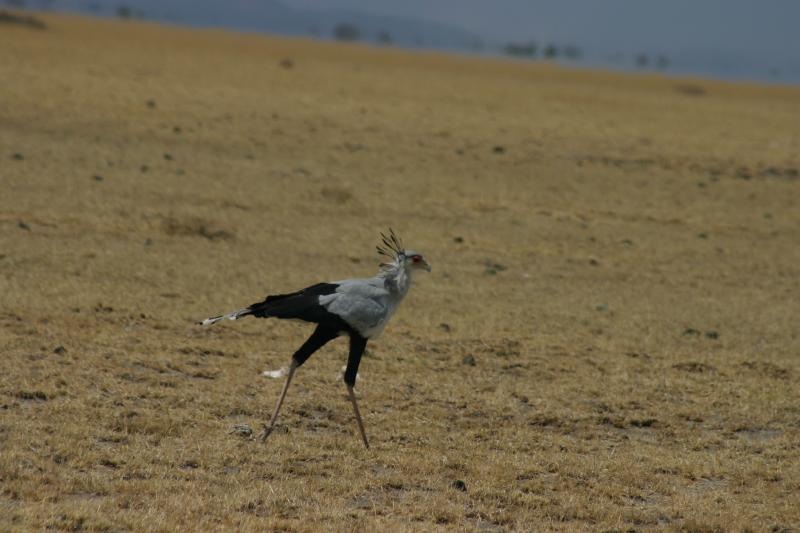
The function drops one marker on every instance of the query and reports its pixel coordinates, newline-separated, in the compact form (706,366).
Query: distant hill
(275,17)
(681,45)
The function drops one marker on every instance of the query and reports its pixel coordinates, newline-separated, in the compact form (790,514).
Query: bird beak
(426,266)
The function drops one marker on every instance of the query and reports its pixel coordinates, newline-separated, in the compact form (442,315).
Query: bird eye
(416,258)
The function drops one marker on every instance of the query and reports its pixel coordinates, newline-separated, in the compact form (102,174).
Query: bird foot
(265,433)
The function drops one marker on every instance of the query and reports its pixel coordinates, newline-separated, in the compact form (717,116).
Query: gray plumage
(368,304)
(364,304)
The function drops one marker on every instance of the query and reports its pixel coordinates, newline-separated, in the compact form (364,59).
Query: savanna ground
(608,341)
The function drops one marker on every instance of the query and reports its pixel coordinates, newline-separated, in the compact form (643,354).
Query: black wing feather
(302,305)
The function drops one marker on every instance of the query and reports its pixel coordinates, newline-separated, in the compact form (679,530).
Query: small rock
(60,350)
(191,463)
(458,240)
(100,308)
(691,89)
(493,268)
(459,485)
(31,395)
(445,327)
(594,262)
(286,63)
(17,157)
(243,430)
(693,366)
(771,171)
(144,168)
(168,157)
(702,236)
(643,422)
(176,129)
(469,360)
(499,149)
(22,225)
(602,307)
(712,334)
(690,332)
(98,177)
(151,104)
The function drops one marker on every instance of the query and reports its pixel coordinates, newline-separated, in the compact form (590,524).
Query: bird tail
(233,315)
(302,305)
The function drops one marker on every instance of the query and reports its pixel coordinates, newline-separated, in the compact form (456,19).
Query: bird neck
(396,277)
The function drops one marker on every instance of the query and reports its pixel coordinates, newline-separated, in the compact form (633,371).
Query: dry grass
(617,255)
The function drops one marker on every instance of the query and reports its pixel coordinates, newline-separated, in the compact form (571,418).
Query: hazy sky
(760,26)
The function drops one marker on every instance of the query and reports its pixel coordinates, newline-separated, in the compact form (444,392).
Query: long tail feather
(233,315)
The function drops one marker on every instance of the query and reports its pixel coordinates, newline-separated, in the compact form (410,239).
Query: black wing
(302,305)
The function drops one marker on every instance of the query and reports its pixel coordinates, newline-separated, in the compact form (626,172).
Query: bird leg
(268,428)
(317,340)
(358,415)
(357,346)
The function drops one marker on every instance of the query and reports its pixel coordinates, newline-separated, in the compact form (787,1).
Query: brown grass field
(608,341)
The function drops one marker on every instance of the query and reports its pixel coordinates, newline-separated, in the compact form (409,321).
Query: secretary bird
(358,308)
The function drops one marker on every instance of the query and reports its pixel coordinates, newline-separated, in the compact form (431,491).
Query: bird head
(392,248)
(415,260)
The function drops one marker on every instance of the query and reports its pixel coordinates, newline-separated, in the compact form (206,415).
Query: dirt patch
(18,19)
(195,227)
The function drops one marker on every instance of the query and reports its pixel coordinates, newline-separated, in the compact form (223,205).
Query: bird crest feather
(391,247)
